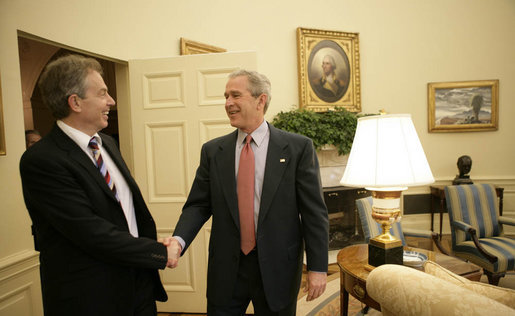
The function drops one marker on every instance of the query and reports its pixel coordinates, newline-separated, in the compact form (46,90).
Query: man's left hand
(315,284)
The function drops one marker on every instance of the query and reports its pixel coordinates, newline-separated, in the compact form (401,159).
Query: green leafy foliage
(335,127)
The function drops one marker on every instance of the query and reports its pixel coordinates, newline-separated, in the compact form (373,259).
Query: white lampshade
(386,153)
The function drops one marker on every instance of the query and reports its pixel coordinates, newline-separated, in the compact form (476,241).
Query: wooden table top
(352,260)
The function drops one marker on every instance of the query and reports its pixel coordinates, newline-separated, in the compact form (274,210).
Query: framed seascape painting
(465,106)
(328,69)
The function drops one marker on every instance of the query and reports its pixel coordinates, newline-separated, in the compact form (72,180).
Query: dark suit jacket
(292,213)
(88,257)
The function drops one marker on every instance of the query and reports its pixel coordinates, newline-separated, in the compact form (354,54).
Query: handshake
(174,250)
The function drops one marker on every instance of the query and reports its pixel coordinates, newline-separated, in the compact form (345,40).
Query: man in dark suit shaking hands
(261,186)
(96,237)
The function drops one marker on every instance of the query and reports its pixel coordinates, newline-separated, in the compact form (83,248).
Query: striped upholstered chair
(371,228)
(477,231)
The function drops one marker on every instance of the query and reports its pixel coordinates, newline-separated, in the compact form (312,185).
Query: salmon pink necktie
(245,190)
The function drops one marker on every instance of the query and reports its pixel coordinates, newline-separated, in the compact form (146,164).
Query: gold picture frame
(339,52)
(463,106)
(2,130)
(189,47)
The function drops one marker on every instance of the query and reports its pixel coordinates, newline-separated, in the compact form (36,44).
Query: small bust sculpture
(464,166)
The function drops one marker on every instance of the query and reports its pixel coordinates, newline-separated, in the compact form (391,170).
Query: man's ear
(74,103)
(262,100)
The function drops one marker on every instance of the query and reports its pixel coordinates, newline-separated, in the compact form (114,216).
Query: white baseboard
(20,284)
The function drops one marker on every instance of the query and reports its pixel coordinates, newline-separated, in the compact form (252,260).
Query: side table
(438,193)
(353,275)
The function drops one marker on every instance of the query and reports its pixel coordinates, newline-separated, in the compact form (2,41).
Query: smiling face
(245,111)
(91,113)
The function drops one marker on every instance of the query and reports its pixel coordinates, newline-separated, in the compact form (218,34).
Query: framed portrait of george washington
(328,70)
(465,106)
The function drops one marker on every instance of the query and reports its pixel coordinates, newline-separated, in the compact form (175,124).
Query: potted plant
(336,127)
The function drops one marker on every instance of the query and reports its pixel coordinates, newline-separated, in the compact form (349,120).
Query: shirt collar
(80,138)
(258,135)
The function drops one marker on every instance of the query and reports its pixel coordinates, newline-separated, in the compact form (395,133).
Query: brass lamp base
(385,248)
(381,251)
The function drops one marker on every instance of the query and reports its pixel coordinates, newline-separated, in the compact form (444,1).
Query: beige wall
(404,45)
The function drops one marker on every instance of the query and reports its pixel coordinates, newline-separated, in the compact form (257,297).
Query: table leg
(441,217)
(344,301)
(432,212)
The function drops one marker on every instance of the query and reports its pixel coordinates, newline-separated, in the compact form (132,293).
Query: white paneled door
(168,108)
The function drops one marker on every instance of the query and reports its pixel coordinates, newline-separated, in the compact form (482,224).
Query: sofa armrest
(405,291)
(502,295)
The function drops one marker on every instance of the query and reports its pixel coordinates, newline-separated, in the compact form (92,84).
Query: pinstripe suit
(89,260)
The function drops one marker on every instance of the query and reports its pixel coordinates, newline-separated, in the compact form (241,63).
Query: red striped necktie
(245,190)
(95,149)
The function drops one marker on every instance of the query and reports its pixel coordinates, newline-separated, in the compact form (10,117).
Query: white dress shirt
(259,145)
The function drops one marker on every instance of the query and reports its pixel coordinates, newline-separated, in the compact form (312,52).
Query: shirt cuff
(181,241)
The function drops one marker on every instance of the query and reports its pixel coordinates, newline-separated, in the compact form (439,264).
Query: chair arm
(416,232)
(438,244)
(425,234)
(461,225)
(507,220)
(472,232)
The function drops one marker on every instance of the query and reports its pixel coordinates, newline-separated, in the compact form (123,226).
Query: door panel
(174,106)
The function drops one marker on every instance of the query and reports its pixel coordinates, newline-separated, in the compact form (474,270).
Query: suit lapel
(225,161)
(277,159)
(67,145)
(140,208)
(114,153)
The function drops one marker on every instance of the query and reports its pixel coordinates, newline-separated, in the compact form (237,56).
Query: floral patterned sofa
(402,290)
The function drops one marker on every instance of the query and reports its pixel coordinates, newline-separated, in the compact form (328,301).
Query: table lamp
(386,158)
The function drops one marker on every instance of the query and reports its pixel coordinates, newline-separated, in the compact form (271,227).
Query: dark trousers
(249,287)
(61,301)
(144,302)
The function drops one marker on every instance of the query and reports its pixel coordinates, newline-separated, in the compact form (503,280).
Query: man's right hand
(174,250)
